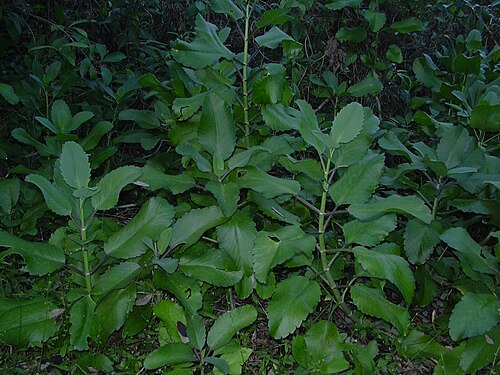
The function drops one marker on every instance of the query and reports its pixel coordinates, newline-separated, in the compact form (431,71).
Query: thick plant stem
(245,75)
(322,242)
(83,235)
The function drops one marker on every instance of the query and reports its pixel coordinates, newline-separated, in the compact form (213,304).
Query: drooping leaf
(41,258)
(154,216)
(370,301)
(369,233)
(421,239)
(169,354)
(186,290)
(274,17)
(274,248)
(217,131)
(483,307)
(273,38)
(75,166)
(55,199)
(390,267)
(112,184)
(347,124)
(226,7)
(280,118)
(293,300)
(190,227)
(27,322)
(116,277)
(408,205)
(267,185)
(309,127)
(454,146)
(145,119)
(206,49)
(156,179)
(480,351)
(196,331)
(229,323)
(10,189)
(83,323)
(236,237)
(418,345)
(358,182)
(244,158)
(425,71)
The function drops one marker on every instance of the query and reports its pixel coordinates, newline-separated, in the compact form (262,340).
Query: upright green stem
(322,242)
(245,75)
(83,235)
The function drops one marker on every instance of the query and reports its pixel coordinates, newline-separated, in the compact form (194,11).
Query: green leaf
(196,331)
(348,123)
(61,116)
(371,84)
(480,351)
(236,238)
(486,114)
(370,301)
(113,310)
(369,233)
(418,345)
(273,38)
(79,119)
(227,195)
(8,93)
(83,323)
(186,290)
(268,89)
(27,322)
(453,148)
(145,119)
(275,17)
(229,323)
(116,277)
(408,205)
(274,248)
(206,49)
(267,185)
(112,184)
(242,159)
(55,199)
(339,4)
(408,25)
(394,54)
(226,7)
(470,250)
(424,70)
(96,133)
(293,300)
(473,41)
(169,354)
(351,34)
(309,127)
(154,216)
(376,20)
(41,258)
(156,179)
(280,118)
(390,267)
(217,131)
(321,350)
(95,362)
(210,266)
(190,227)
(10,189)
(114,57)
(75,166)
(358,182)
(484,310)
(421,239)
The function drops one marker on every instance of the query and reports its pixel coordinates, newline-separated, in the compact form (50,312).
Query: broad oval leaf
(421,239)
(370,301)
(150,221)
(83,323)
(348,123)
(41,258)
(226,7)
(8,93)
(74,165)
(61,116)
(484,310)
(27,322)
(369,233)
(371,84)
(267,185)
(112,184)
(116,277)
(390,267)
(227,195)
(229,323)
(293,300)
(169,354)
(56,200)
(408,25)
(351,34)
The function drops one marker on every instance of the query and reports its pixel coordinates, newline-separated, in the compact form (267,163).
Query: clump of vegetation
(234,187)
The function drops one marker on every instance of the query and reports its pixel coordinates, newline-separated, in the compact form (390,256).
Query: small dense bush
(239,186)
